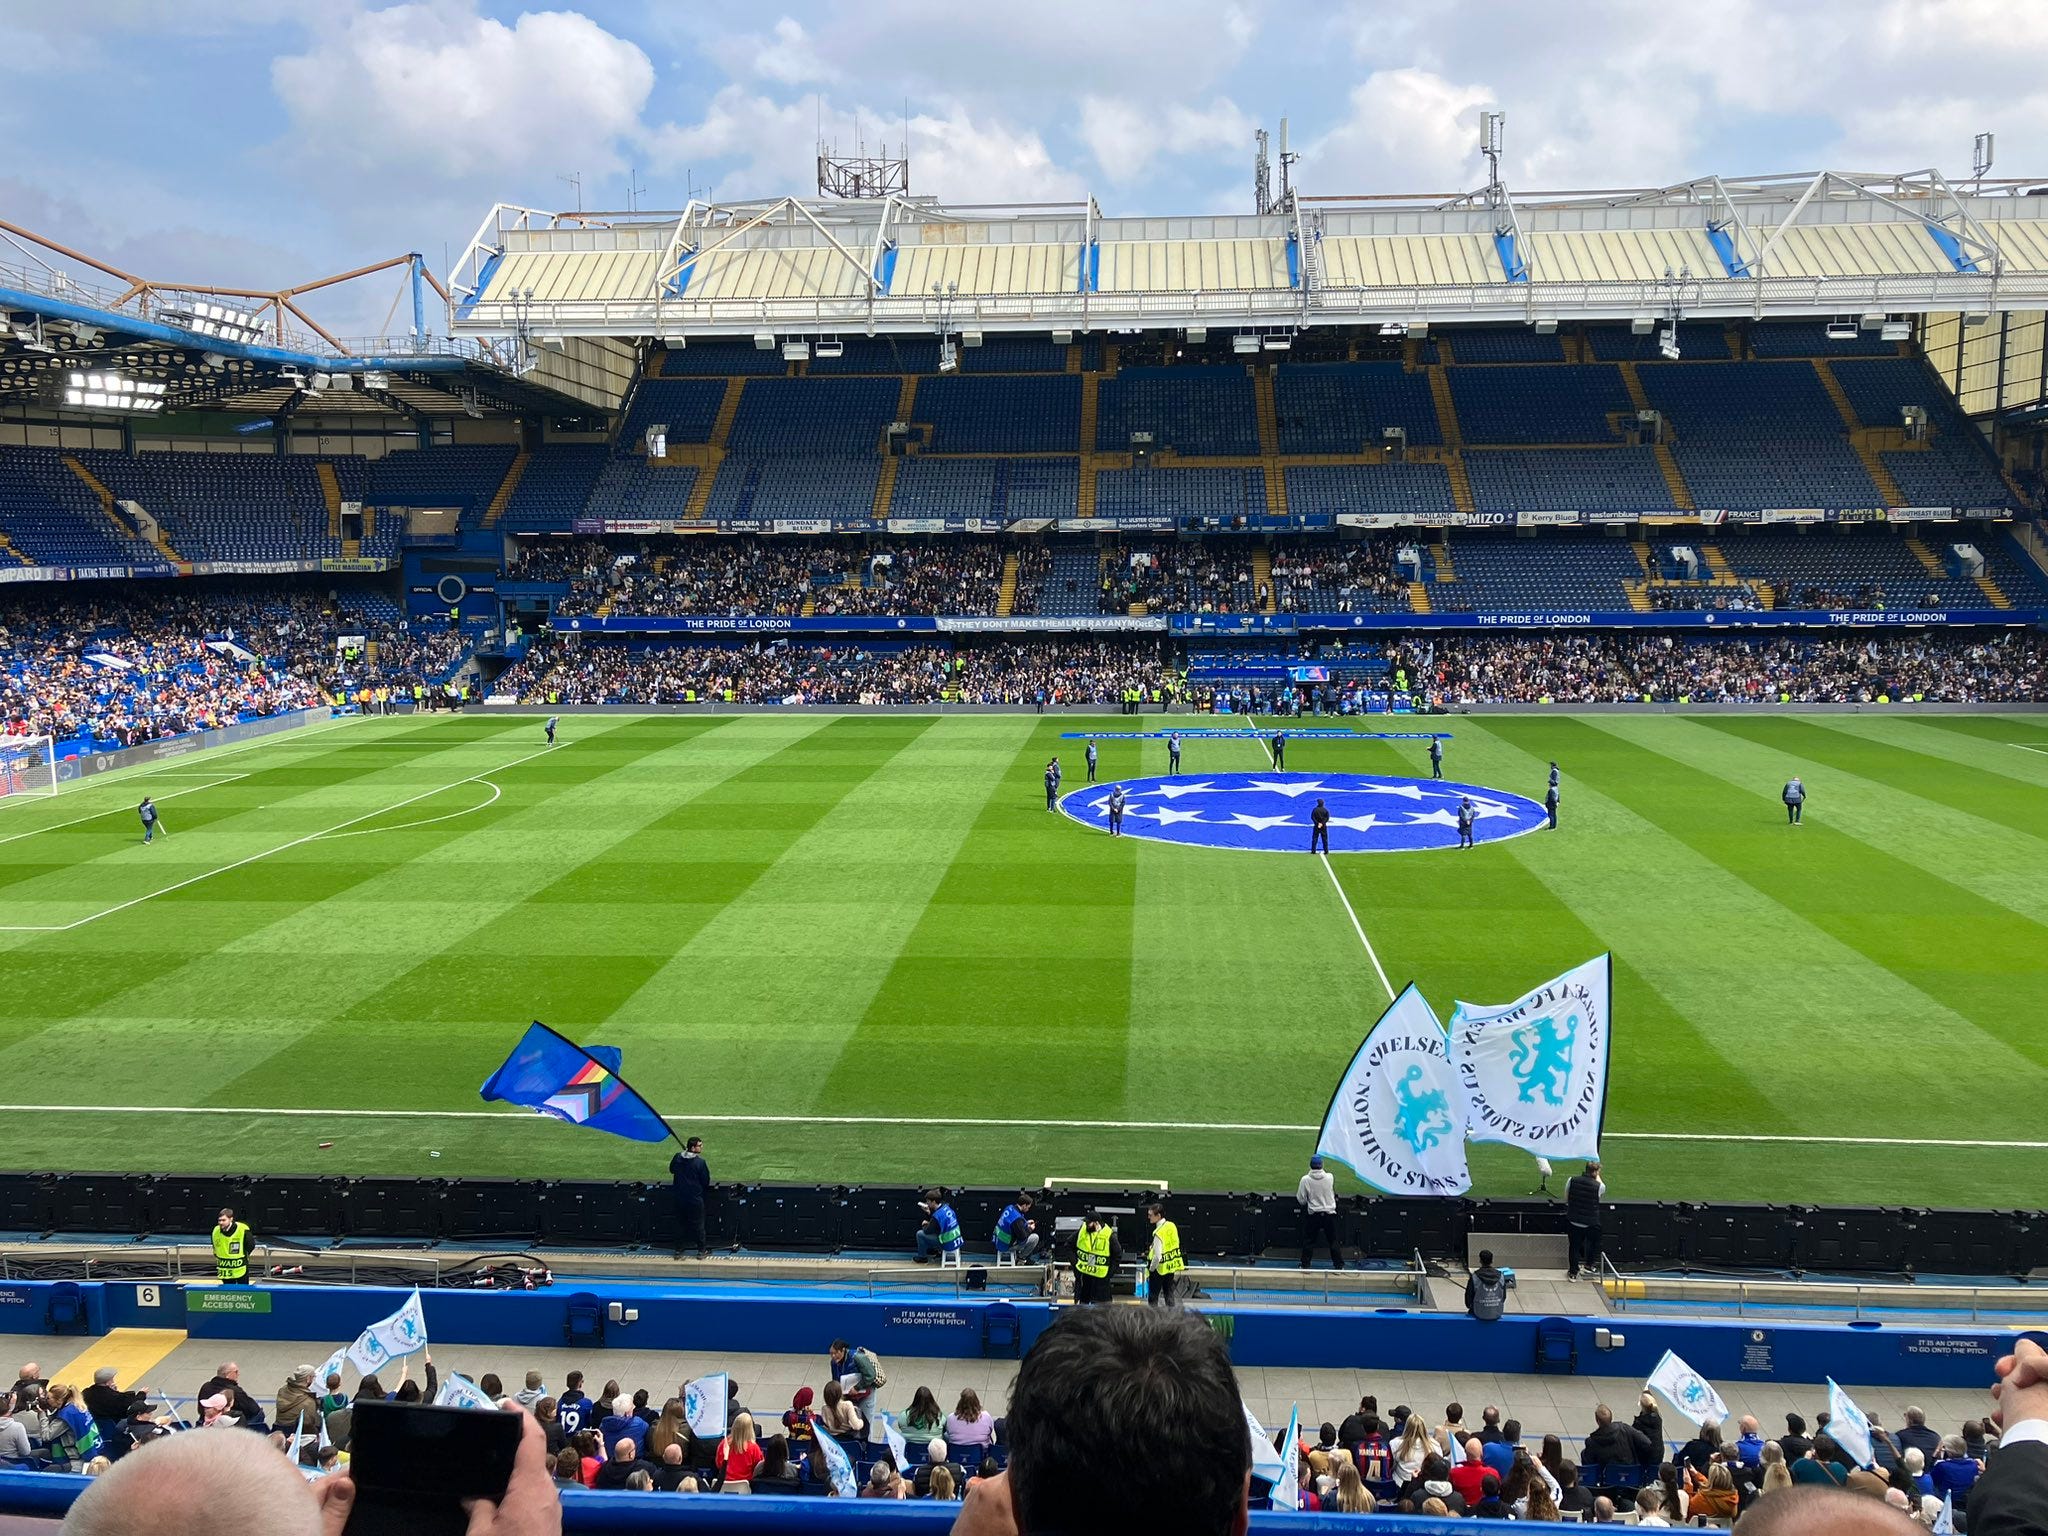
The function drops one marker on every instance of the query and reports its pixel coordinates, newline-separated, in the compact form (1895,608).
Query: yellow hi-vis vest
(1166,1247)
(1091,1252)
(231,1252)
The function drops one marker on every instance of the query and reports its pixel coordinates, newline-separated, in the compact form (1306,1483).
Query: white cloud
(1407,130)
(435,87)
(786,55)
(769,147)
(1125,135)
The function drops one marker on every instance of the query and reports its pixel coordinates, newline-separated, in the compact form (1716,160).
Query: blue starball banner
(1271,812)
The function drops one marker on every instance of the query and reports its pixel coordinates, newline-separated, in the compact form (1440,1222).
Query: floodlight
(796,351)
(1244,341)
(970,338)
(1872,319)
(1418,328)
(949,357)
(1642,325)
(1277,341)
(1842,328)
(1895,330)
(831,349)
(1063,338)
(764,341)
(1667,343)
(112,392)
(1197,334)
(1546,327)
(1394,329)
(376,381)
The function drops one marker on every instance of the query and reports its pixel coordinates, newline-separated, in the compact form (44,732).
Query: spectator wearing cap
(1316,1194)
(296,1402)
(107,1402)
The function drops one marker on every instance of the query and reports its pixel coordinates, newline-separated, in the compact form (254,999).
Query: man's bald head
(197,1484)
(1812,1511)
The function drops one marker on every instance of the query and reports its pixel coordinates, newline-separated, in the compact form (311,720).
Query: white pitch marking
(2024,747)
(1370,954)
(120,810)
(136,901)
(250,1112)
(407,826)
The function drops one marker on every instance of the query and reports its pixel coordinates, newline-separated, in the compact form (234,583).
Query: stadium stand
(1562,404)
(1001,413)
(52,517)
(1566,479)
(1330,489)
(555,486)
(1193,411)
(460,476)
(1342,407)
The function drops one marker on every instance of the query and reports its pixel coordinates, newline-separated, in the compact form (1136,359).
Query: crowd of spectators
(569,669)
(1697,597)
(132,664)
(1116,1414)
(1321,575)
(1801,669)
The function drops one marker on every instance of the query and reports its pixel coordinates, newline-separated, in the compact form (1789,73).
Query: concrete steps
(501,498)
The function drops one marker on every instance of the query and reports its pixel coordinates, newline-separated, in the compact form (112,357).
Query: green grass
(812,915)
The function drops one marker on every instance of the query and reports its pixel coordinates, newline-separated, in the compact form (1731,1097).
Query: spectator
(624,1463)
(970,1425)
(1777,1471)
(1675,1504)
(839,1417)
(1603,1511)
(1415,1447)
(1718,1499)
(105,1401)
(1352,1497)
(1649,1423)
(937,1457)
(531,1393)
(1470,1473)
(1121,1419)
(1650,1507)
(1916,1436)
(296,1403)
(1954,1471)
(227,1382)
(1500,1453)
(1573,1496)
(201,1485)
(883,1483)
(584,1443)
(568,1466)
(1794,1442)
(621,1422)
(672,1428)
(799,1423)
(1616,1445)
(1432,1482)
(547,1414)
(738,1453)
(924,1418)
(1751,1444)
(1828,1466)
(1489,1506)
(14,1438)
(673,1470)
(773,1473)
(1825,1512)
(1353,1429)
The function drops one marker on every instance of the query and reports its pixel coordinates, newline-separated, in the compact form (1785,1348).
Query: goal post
(28,766)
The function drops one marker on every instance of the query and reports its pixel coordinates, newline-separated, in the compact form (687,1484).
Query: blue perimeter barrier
(711,1319)
(49,1494)
(1257,735)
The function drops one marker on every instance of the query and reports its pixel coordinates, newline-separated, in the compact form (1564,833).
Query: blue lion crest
(1542,1058)
(1422,1119)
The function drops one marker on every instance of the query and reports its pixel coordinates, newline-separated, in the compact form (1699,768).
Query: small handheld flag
(458,1391)
(1689,1392)
(898,1446)
(704,1404)
(1286,1492)
(391,1338)
(1849,1425)
(839,1467)
(553,1075)
(1266,1464)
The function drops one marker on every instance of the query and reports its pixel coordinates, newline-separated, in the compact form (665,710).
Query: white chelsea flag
(1689,1392)
(1397,1119)
(1533,1072)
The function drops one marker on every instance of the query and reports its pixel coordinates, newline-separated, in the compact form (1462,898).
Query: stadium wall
(713,1319)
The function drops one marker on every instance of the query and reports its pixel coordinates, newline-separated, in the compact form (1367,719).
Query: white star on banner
(1167,816)
(1291,791)
(1405,791)
(1262,823)
(1423,818)
(1175,791)
(1363,823)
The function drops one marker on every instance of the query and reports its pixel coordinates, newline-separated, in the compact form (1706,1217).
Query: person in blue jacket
(1016,1232)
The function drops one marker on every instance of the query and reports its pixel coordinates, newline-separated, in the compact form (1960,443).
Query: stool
(953,1259)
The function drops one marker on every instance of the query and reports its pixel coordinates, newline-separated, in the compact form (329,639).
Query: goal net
(28,766)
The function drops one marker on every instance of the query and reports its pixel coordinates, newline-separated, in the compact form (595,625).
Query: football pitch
(857,949)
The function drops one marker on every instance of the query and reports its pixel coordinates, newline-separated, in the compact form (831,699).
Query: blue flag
(555,1076)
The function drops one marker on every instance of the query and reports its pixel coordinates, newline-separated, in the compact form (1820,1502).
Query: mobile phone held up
(415,1465)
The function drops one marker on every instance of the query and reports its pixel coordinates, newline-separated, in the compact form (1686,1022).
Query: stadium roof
(1811,243)
(234,349)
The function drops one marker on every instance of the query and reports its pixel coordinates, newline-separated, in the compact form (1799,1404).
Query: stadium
(889,704)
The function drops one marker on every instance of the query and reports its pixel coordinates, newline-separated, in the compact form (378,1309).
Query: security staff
(1173,753)
(1163,1262)
(147,811)
(1052,782)
(1465,813)
(1436,757)
(1091,759)
(231,1249)
(1096,1256)
(1116,810)
(1319,828)
(1279,749)
(1550,801)
(1583,1193)
(553,721)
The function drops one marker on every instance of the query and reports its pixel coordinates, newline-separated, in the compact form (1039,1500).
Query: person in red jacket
(1468,1476)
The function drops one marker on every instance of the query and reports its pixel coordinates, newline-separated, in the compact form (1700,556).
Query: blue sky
(260,143)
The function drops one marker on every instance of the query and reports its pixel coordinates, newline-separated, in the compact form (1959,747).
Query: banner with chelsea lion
(1533,1073)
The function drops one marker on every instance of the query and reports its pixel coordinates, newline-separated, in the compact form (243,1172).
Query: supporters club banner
(1397,1119)
(1533,1073)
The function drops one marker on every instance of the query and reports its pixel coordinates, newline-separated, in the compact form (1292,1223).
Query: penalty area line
(514,1116)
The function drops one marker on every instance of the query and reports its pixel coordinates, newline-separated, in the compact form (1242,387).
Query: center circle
(1269,812)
